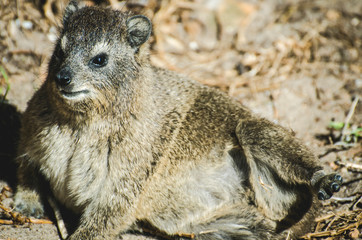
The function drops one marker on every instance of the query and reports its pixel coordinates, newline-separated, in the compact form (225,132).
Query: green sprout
(6,78)
(349,132)
(335,125)
(357,132)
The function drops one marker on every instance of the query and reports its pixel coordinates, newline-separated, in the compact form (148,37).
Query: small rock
(52,37)
(355,21)
(27,25)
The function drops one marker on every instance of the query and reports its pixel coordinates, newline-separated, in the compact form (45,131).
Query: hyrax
(123,145)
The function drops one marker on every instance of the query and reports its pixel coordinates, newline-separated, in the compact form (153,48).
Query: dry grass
(248,49)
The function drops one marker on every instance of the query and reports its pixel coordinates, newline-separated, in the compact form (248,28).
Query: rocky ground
(297,62)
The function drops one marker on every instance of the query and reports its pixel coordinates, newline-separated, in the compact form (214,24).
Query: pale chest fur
(74,162)
(86,163)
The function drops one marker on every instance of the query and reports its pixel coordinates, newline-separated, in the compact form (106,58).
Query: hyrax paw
(28,204)
(328,185)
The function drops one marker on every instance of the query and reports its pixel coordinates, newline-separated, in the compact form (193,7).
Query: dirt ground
(297,62)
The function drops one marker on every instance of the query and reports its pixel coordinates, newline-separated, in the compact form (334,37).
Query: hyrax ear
(71,8)
(139,29)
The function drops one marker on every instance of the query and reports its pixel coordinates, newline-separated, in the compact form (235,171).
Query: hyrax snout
(63,77)
(122,144)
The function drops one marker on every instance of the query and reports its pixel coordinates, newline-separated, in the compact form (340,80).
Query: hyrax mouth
(74,94)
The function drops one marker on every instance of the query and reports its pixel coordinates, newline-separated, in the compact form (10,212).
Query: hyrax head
(97,57)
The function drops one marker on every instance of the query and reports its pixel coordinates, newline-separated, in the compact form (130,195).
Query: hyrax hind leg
(284,174)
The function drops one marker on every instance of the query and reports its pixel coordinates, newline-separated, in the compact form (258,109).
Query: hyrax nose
(64,77)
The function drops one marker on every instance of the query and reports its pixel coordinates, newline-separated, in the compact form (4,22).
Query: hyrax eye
(98,61)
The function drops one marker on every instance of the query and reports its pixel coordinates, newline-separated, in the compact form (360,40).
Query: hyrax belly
(187,190)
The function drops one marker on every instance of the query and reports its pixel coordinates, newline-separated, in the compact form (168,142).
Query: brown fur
(145,146)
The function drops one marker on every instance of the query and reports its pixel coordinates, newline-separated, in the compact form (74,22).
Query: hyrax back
(124,145)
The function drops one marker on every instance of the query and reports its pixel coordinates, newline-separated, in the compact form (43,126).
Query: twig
(336,232)
(334,148)
(325,217)
(344,199)
(288,236)
(331,223)
(17,218)
(5,189)
(351,181)
(30,220)
(349,219)
(348,118)
(208,231)
(6,222)
(11,214)
(59,219)
(186,235)
(39,221)
(264,185)
(350,166)
(332,232)
(355,203)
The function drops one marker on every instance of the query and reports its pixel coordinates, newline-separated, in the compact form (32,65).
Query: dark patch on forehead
(91,24)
